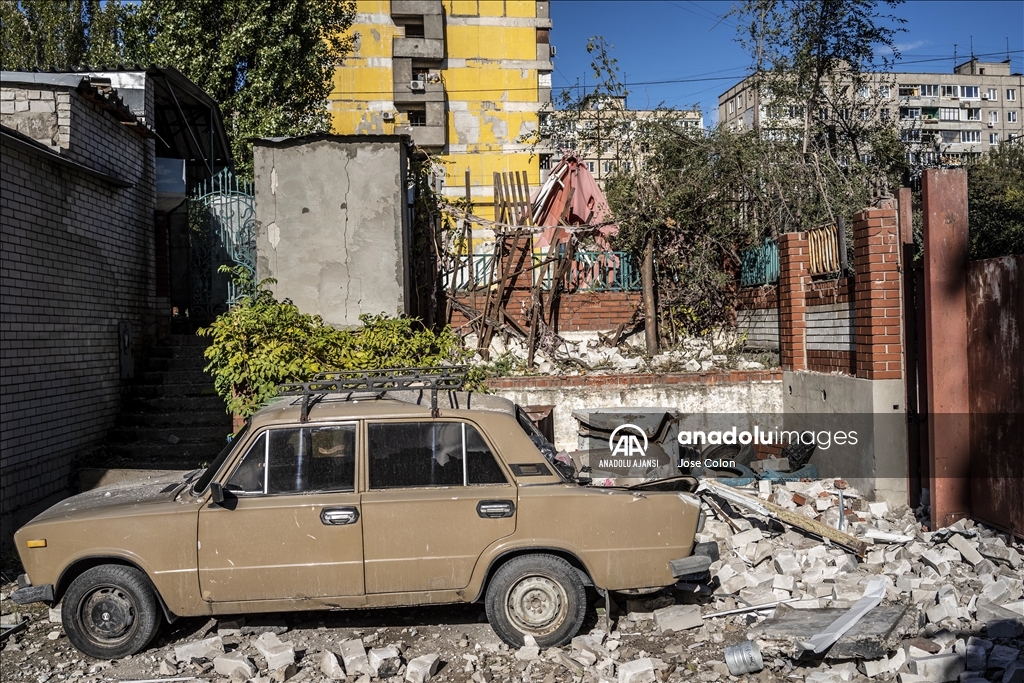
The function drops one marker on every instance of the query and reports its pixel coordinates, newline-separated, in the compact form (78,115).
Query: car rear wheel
(110,611)
(537,595)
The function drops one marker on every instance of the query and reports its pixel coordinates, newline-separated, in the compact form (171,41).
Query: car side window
(425,454)
(249,477)
(298,461)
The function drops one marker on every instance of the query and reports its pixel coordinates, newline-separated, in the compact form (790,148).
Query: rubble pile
(949,607)
(593,355)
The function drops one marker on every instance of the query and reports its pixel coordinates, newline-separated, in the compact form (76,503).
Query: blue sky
(689,42)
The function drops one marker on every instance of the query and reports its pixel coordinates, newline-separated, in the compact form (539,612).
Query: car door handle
(495,509)
(339,515)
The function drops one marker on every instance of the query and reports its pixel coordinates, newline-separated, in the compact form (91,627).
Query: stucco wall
(877,466)
(331,224)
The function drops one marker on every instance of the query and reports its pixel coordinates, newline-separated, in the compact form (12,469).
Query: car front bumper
(27,593)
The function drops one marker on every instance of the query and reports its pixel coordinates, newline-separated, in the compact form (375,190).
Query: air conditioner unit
(388,116)
(553,51)
(417,86)
(984,96)
(991,125)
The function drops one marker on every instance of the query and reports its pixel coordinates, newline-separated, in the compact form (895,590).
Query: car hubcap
(108,614)
(536,605)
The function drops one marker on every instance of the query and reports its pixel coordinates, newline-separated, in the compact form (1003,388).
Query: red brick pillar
(794,269)
(877,320)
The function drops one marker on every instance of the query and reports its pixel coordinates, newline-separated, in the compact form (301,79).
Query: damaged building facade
(465,79)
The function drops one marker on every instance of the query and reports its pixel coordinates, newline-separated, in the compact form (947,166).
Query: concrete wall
(877,465)
(747,393)
(76,258)
(332,224)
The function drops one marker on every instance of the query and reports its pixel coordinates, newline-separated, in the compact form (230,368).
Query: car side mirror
(216,493)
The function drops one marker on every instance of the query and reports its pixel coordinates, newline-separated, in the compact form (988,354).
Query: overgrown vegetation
(262,342)
(267,63)
(995,200)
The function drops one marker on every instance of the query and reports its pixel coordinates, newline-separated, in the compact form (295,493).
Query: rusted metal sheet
(944,196)
(995,359)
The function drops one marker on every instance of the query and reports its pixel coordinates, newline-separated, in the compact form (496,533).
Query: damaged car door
(436,498)
(290,525)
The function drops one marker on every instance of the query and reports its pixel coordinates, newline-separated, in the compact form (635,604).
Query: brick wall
(77,257)
(850,325)
(576,311)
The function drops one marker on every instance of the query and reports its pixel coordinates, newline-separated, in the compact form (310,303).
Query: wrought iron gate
(221,232)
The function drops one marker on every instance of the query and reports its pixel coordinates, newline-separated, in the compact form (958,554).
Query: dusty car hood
(123,496)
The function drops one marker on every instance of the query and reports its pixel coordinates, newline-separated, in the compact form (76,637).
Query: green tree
(269,64)
(995,197)
(818,67)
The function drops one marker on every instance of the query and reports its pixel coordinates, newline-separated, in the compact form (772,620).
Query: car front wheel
(110,611)
(537,595)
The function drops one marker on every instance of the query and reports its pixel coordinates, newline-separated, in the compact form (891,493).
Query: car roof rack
(432,379)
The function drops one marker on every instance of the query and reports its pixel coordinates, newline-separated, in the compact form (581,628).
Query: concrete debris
(199,649)
(422,668)
(230,662)
(678,618)
(277,654)
(330,666)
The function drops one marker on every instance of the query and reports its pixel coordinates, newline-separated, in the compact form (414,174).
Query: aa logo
(625,442)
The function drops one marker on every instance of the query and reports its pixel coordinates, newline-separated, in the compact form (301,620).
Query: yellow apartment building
(467,79)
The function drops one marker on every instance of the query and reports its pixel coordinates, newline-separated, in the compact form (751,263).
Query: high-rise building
(465,78)
(942,117)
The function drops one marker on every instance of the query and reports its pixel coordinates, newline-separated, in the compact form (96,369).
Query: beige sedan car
(354,500)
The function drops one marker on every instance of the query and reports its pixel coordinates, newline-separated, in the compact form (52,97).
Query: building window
(912,135)
(842,114)
(992,94)
(970,136)
(969,92)
(627,166)
(864,92)
(929,91)
(731,106)
(418,117)
(884,114)
(974,114)
(545,162)
(993,117)
(910,112)
(739,101)
(608,166)
(884,91)
(865,114)
(909,91)
(993,138)
(950,91)
(949,114)
(1011,117)
(590,166)
(1011,95)
(414,30)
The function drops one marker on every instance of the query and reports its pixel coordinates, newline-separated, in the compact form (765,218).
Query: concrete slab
(872,638)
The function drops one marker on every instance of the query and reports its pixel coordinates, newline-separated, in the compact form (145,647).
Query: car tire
(110,611)
(537,595)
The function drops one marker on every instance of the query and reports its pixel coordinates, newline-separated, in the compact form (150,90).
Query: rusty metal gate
(995,366)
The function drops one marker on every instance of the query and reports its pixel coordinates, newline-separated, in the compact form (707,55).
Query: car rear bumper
(690,566)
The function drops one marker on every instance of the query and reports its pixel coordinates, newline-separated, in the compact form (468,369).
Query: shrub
(262,342)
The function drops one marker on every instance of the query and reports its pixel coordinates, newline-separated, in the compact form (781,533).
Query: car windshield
(565,470)
(207,476)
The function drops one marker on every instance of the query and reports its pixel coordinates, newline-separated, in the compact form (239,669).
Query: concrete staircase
(172,419)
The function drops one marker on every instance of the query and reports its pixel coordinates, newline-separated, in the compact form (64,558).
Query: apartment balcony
(415,8)
(410,92)
(427,136)
(418,48)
